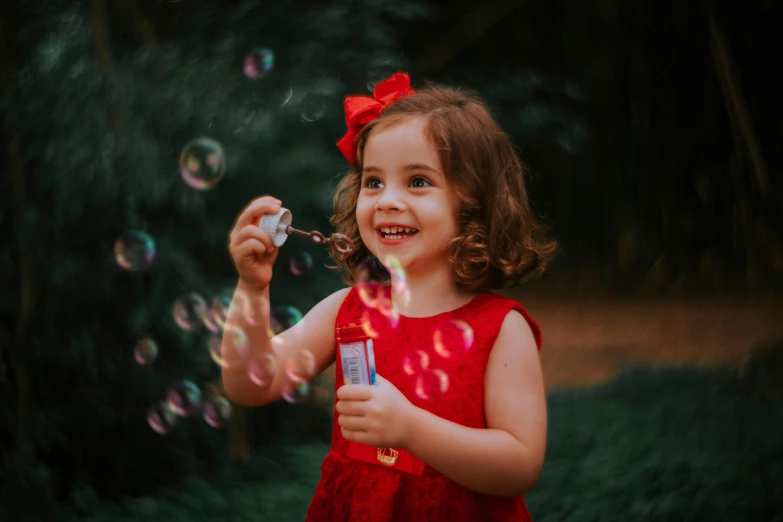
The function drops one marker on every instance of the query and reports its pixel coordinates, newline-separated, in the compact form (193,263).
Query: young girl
(454,426)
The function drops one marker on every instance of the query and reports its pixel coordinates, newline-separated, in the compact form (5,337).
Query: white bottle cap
(276,225)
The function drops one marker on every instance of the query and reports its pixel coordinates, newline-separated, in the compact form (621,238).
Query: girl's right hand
(251,247)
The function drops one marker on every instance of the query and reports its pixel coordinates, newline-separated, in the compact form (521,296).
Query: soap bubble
(189,310)
(301,366)
(184,397)
(233,337)
(399,280)
(431,384)
(215,315)
(146,351)
(296,392)
(258,63)
(161,418)
(134,250)
(312,107)
(300,263)
(216,411)
(202,163)
(452,337)
(416,362)
(262,371)
(286,316)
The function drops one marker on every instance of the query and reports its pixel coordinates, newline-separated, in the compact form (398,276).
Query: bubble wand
(278,226)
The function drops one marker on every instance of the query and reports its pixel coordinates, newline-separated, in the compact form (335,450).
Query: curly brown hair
(499,239)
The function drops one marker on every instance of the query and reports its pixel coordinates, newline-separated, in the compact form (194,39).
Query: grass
(673,445)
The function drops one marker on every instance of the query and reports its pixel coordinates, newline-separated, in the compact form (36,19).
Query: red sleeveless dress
(352,490)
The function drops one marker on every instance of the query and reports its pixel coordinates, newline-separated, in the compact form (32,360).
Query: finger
(252,232)
(350,407)
(362,437)
(355,392)
(351,422)
(257,208)
(252,248)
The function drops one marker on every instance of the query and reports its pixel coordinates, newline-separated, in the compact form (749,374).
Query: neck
(430,294)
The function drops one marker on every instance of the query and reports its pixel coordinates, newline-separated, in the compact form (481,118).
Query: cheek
(364,211)
(364,216)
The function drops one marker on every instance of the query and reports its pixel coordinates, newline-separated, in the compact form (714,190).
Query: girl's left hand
(378,415)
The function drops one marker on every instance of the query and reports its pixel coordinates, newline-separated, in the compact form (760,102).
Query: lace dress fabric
(351,490)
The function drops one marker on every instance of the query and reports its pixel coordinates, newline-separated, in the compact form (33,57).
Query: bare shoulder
(515,336)
(336,298)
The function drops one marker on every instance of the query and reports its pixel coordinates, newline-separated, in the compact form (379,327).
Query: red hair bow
(361,110)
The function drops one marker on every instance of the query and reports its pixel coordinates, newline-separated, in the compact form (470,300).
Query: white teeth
(396,230)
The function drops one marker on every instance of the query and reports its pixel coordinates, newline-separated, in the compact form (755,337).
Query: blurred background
(134,131)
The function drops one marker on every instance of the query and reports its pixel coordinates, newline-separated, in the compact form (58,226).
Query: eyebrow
(412,166)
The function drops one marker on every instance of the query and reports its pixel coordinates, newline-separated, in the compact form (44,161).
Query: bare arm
(315,332)
(505,459)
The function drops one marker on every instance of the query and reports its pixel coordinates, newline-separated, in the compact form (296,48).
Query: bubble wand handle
(278,226)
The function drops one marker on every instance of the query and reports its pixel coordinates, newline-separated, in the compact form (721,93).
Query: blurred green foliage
(686,445)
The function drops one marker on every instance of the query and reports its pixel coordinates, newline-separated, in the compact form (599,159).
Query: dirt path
(586,341)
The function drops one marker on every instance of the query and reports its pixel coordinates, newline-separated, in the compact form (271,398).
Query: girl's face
(406,207)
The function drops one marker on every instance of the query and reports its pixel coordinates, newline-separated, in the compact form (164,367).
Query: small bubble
(262,371)
(370,291)
(300,263)
(312,107)
(416,362)
(296,393)
(161,418)
(216,411)
(286,316)
(215,315)
(301,366)
(233,337)
(251,308)
(134,250)
(452,338)
(430,384)
(258,62)
(389,312)
(381,67)
(202,163)
(146,351)
(184,398)
(399,280)
(188,311)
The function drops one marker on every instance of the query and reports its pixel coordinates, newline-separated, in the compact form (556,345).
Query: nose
(390,199)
